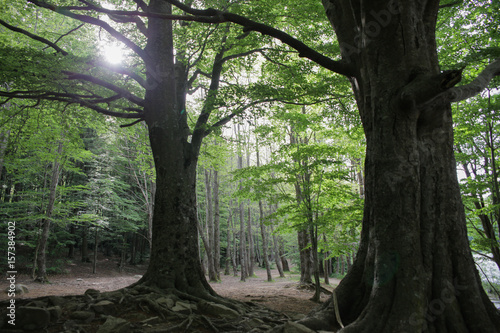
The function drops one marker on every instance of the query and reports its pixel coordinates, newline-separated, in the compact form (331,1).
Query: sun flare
(112,53)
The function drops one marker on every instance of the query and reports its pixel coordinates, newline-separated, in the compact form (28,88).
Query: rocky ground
(101,303)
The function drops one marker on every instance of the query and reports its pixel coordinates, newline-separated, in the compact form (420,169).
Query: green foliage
(475,45)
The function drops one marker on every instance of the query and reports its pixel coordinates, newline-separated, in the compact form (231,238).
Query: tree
(414,270)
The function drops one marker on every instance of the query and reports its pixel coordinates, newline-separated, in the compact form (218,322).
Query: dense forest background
(281,185)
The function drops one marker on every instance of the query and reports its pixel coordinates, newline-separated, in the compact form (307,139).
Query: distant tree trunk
(96,243)
(41,269)
(306,258)
(216,224)
(230,249)
(326,263)
(263,233)
(85,243)
(151,207)
(243,264)
(315,265)
(284,261)
(210,239)
(71,246)
(277,257)
(234,251)
(123,253)
(133,248)
(251,249)
(4,139)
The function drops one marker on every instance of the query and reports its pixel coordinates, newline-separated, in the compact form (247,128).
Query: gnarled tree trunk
(414,271)
(174,262)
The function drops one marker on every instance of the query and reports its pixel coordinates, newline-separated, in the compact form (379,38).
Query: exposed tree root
(142,308)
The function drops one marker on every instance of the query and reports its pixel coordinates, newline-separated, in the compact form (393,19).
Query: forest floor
(282,295)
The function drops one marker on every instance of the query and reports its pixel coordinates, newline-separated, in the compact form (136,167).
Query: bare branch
(69,32)
(123,92)
(480,83)
(33,36)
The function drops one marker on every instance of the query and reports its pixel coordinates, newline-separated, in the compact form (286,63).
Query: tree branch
(33,36)
(249,25)
(121,70)
(141,4)
(94,21)
(68,98)
(123,92)
(477,85)
(229,117)
(69,32)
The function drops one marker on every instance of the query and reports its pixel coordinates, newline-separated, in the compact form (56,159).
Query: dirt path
(281,295)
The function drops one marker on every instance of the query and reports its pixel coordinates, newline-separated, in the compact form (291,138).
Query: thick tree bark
(414,271)
(174,262)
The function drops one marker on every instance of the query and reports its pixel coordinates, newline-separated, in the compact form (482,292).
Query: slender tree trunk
(4,139)
(277,257)
(71,246)
(41,269)
(216,225)
(251,248)
(263,233)
(314,249)
(96,244)
(234,252)
(243,263)
(85,244)
(150,208)
(210,239)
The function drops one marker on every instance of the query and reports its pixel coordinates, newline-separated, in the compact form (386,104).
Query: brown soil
(282,294)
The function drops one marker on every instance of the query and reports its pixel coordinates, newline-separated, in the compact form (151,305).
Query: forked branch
(249,25)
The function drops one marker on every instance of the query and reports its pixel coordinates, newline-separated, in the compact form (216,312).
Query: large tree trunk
(414,271)
(174,262)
